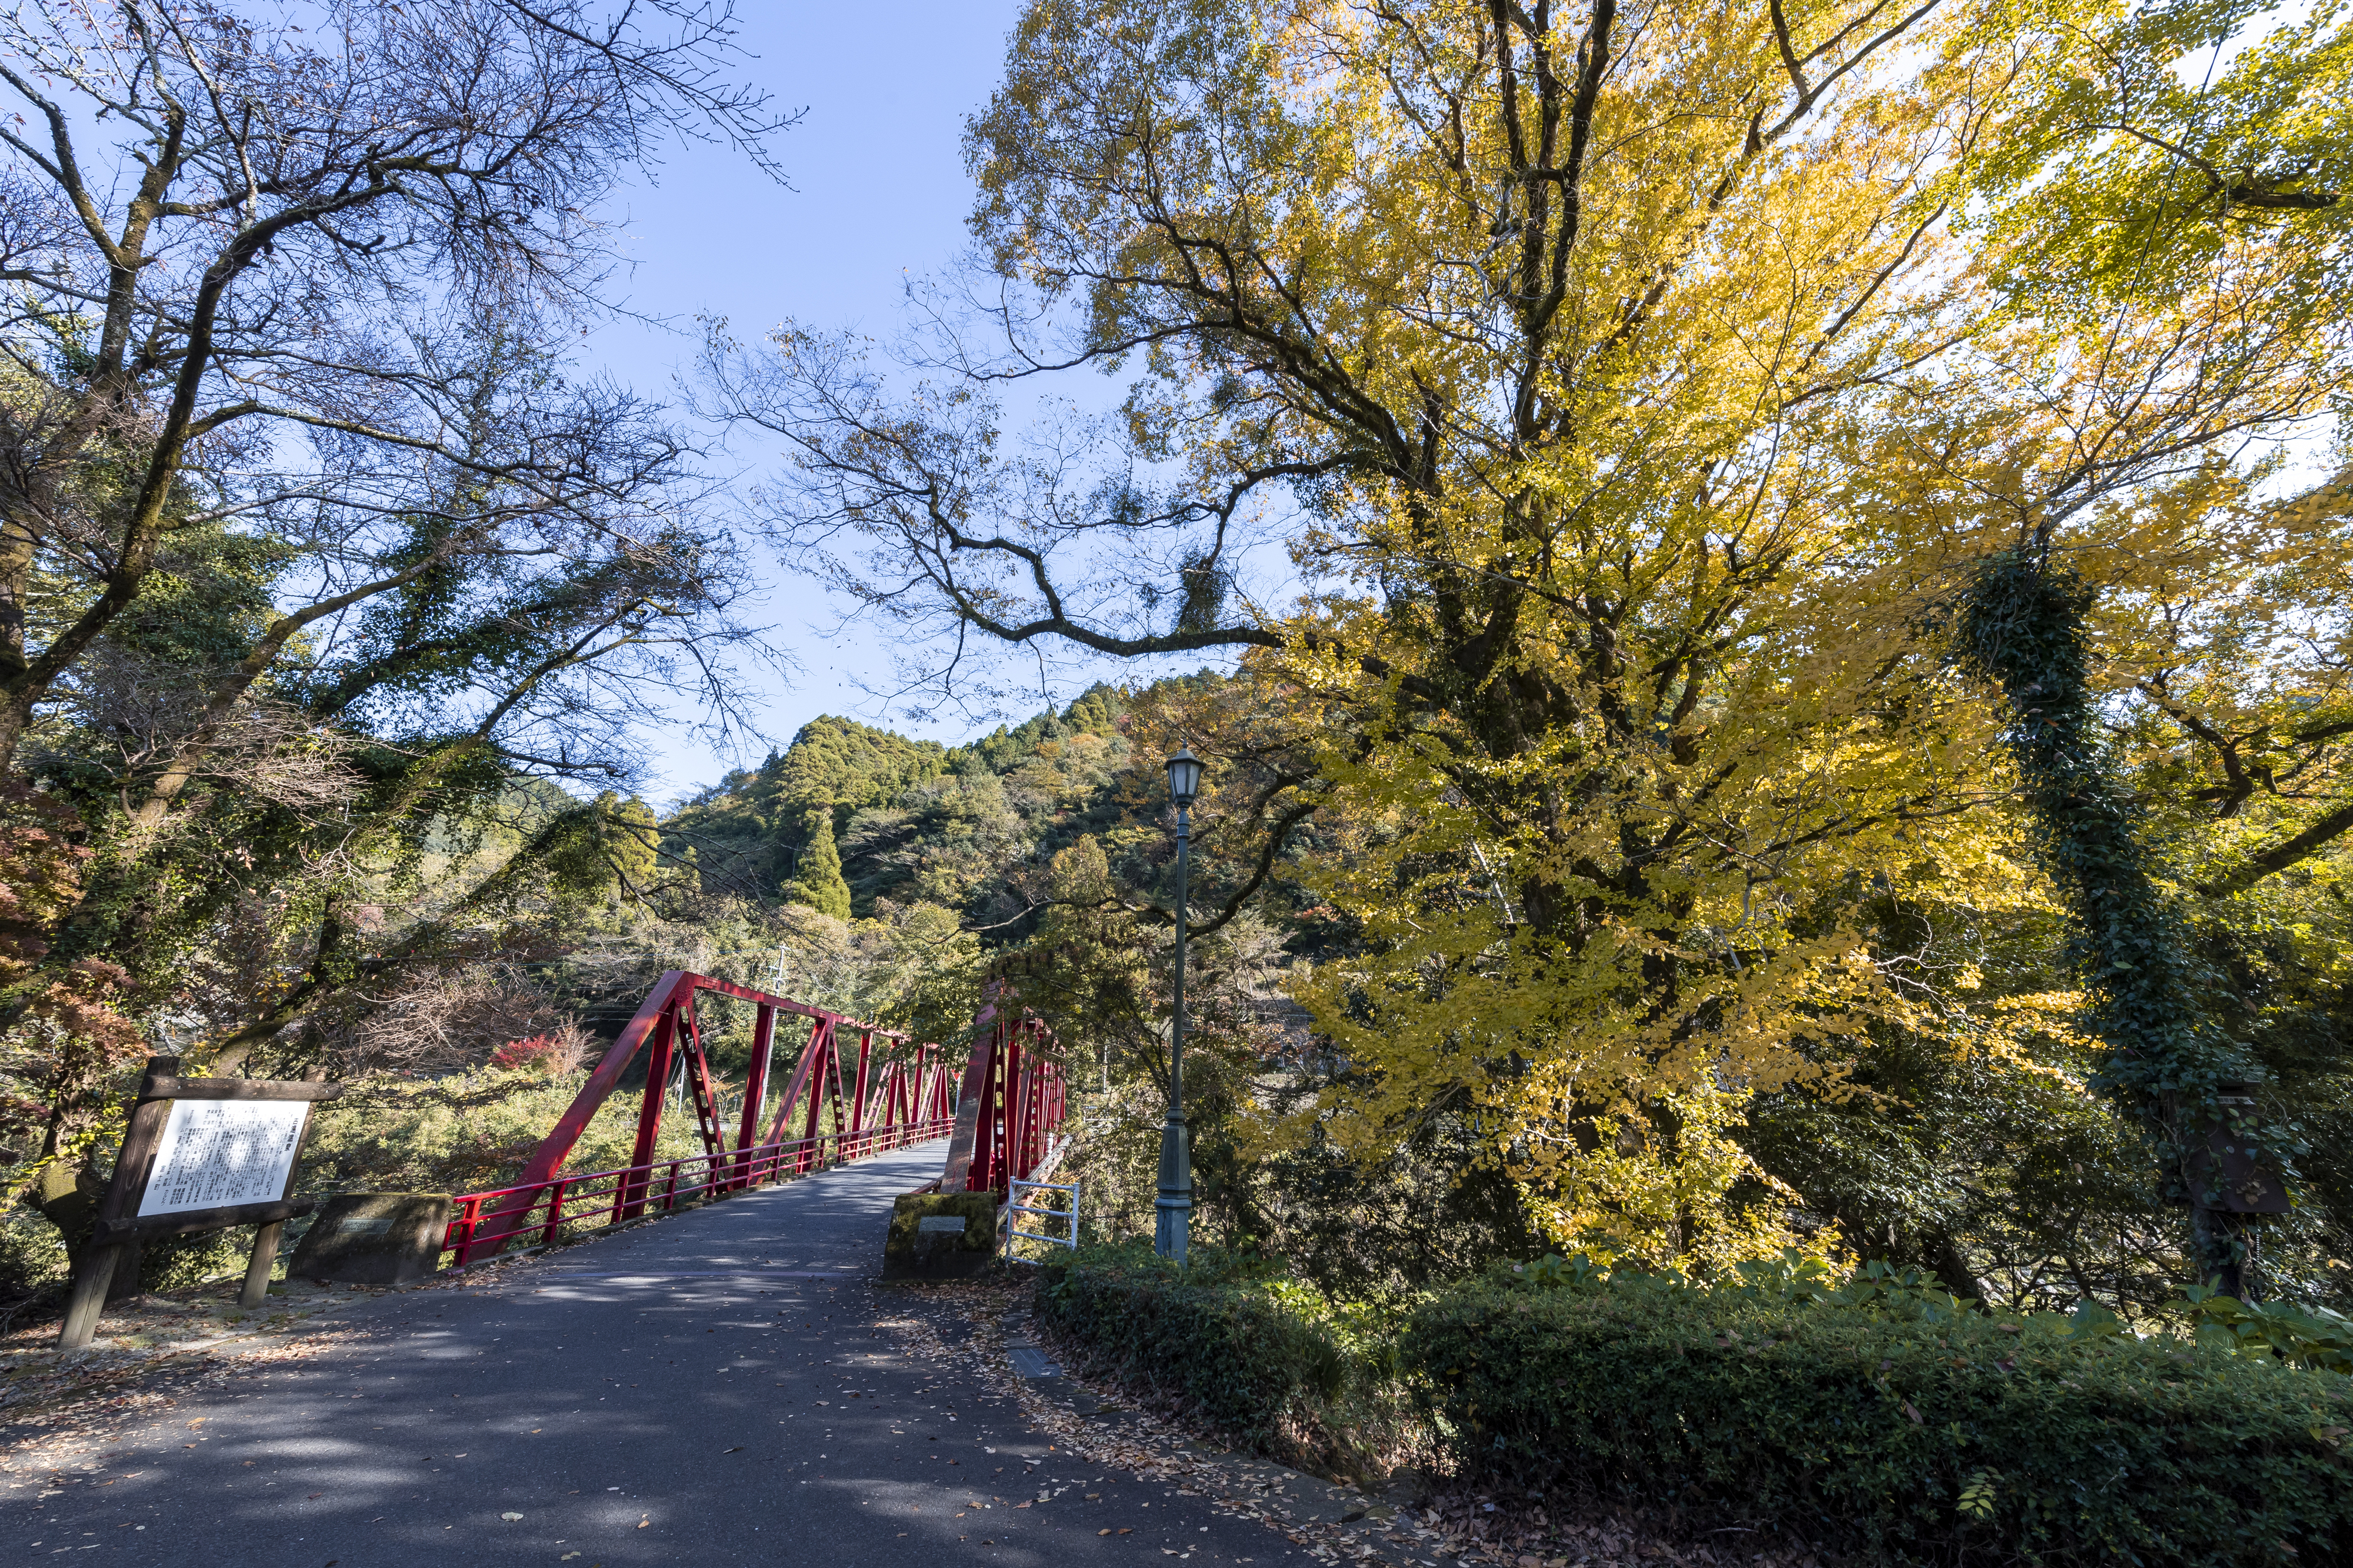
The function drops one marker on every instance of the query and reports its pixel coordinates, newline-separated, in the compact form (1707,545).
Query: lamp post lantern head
(1184,778)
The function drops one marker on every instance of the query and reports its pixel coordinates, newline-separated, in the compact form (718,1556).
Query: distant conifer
(817,881)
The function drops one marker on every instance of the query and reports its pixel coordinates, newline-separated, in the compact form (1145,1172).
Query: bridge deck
(670,1374)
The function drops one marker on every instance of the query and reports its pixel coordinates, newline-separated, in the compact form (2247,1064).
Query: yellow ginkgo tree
(1583,419)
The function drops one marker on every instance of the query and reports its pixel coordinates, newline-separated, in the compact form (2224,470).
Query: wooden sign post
(200,1153)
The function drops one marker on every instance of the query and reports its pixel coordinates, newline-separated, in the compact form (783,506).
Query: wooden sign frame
(121,1232)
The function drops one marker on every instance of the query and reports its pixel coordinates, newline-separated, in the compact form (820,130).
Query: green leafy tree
(153,340)
(608,846)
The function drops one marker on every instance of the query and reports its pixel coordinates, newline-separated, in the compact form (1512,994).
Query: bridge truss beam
(890,1097)
(999,1112)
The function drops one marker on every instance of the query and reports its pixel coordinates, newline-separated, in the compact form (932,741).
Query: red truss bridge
(996,1097)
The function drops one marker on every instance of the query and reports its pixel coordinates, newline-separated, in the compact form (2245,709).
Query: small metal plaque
(950,1223)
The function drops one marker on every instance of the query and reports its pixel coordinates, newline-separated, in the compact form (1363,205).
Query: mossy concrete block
(940,1236)
(373,1238)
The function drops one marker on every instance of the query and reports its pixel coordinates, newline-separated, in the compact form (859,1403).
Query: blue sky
(878,194)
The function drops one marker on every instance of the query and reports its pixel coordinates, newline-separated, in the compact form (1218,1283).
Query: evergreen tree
(817,882)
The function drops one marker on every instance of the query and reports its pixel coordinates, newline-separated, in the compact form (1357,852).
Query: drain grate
(1032,1362)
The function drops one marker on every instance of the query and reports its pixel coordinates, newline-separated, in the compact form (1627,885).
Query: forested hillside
(908,821)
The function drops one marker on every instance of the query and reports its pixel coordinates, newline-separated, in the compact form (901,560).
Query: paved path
(724,1386)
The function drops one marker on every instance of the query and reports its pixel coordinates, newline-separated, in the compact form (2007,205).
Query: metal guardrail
(625,1193)
(1015,1209)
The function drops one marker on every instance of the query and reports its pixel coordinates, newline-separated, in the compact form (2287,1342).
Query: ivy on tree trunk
(2022,629)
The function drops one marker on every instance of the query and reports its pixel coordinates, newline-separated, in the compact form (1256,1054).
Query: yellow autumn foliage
(1631,387)
(1632,621)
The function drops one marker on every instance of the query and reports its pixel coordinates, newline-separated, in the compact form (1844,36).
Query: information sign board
(199,1153)
(216,1153)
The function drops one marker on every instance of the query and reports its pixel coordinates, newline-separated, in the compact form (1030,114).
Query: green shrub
(184,1262)
(1881,1416)
(32,1252)
(2309,1337)
(1229,1336)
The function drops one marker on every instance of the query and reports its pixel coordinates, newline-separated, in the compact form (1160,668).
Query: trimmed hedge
(1878,1417)
(1963,1437)
(1242,1346)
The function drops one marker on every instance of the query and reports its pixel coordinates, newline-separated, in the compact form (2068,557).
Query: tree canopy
(1630,390)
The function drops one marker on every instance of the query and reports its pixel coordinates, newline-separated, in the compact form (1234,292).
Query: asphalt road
(725,1386)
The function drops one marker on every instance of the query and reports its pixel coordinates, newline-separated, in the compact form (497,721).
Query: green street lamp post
(1176,1203)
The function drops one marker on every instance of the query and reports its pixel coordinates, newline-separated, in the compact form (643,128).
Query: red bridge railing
(997,1111)
(597,1198)
(1012,1099)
